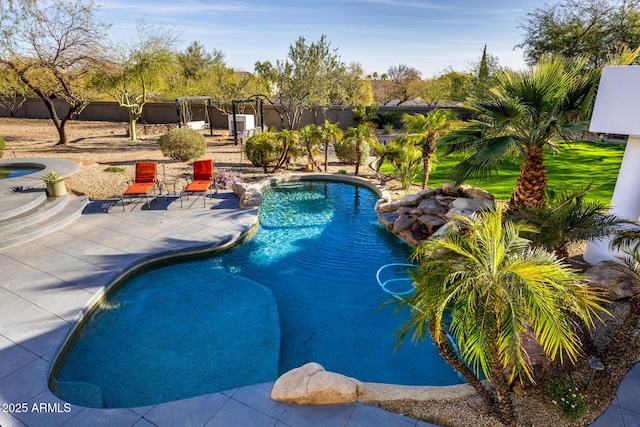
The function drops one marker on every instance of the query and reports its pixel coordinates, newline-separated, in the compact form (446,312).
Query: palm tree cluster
(493,285)
(273,150)
(489,279)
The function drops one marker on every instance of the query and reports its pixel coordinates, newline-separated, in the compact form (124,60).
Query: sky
(431,36)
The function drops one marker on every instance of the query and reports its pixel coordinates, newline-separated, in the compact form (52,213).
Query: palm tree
(357,136)
(311,136)
(423,130)
(493,286)
(330,132)
(524,113)
(567,218)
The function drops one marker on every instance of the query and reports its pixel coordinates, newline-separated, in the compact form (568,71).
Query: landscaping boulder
(250,198)
(311,384)
(613,281)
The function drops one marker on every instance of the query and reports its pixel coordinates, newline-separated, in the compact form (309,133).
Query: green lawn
(578,165)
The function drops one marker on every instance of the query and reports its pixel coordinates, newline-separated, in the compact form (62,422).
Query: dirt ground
(98,145)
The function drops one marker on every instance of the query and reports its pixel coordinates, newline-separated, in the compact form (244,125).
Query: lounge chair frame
(201,183)
(144,181)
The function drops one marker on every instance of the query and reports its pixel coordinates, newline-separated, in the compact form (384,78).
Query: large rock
(471,204)
(388,218)
(388,207)
(238,188)
(250,198)
(431,222)
(612,280)
(431,207)
(476,193)
(404,222)
(311,384)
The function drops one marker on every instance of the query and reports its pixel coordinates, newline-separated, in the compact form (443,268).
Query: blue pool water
(302,289)
(14,171)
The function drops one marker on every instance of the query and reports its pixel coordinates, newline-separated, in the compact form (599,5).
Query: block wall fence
(165,112)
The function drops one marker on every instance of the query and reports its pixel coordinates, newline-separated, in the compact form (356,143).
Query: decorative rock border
(311,384)
(416,217)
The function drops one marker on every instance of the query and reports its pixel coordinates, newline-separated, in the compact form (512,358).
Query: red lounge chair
(144,182)
(202,181)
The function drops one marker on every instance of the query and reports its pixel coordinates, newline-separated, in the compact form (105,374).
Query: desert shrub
(346,151)
(263,149)
(564,394)
(1,147)
(183,144)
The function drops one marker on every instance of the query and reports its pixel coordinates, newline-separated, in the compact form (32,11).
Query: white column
(625,202)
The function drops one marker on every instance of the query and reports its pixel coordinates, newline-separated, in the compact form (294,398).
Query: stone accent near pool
(250,196)
(416,217)
(311,384)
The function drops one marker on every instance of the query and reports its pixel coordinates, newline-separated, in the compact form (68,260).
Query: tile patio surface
(46,285)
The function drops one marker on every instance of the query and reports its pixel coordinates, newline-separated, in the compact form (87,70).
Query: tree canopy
(313,75)
(597,29)
(51,46)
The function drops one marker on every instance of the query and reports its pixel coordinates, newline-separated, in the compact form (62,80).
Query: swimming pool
(302,289)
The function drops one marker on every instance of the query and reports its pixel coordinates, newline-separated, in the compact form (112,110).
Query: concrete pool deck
(45,285)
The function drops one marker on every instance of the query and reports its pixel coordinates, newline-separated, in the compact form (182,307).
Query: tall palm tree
(493,286)
(357,136)
(331,133)
(524,113)
(567,218)
(423,130)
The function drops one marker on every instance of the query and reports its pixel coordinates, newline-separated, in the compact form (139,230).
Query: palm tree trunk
(326,155)
(428,148)
(532,182)
(358,156)
(507,411)
(450,356)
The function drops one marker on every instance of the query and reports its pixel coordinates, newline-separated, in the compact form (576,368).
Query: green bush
(1,147)
(183,144)
(263,149)
(346,151)
(564,394)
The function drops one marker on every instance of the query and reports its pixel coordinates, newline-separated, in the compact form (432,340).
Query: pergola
(184,108)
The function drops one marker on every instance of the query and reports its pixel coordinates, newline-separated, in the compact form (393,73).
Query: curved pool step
(42,220)
(17,203)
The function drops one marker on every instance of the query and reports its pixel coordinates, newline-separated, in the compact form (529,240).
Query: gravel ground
(98,145)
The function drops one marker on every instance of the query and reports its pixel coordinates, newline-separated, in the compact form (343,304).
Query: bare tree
(51,46)
(404,79)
